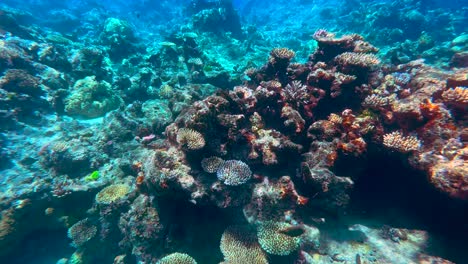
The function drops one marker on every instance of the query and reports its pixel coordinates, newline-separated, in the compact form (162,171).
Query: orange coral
(430,110)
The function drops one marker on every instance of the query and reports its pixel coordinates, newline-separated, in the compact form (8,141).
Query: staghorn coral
(211,164)
(296,94)
(239,245)
(234,172)
(375,101)
(81,232)
(177,258)
(113,193)
(397,141)
(273,237)
(279,55)
(191,139)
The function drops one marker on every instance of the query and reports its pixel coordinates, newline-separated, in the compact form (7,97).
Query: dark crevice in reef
(40,247)
(389,192)
(195,229)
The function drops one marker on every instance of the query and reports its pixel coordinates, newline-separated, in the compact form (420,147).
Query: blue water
(95,93)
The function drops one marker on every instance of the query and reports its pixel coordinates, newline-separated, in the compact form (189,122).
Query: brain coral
(112,193)
(239,245)
(177,258)
(91,98)
(82,232)
(273,238)
(234,172)
(190,138)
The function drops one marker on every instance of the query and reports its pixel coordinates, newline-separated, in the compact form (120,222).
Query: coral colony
(215,138)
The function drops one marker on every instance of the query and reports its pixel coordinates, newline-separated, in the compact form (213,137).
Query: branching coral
(296,94)
(378,102)
(359,60)
(190,139)
(397,141)
(281,55)
(211,164)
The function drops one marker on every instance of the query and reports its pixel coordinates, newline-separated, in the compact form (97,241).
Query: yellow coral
(112,193)
(190,138)
(397,141)
(239,245)
(273,238)
(177,258)
(361,60)
(335,119)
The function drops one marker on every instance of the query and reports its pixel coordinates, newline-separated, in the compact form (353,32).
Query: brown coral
(82,232)
(281,54)
(211,164)
(397,141)
(190,139)
(457,97)
(359,60)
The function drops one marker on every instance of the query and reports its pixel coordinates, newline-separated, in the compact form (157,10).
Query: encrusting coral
(81,232)
(112,193)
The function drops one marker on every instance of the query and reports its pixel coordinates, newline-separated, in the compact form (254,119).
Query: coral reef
(231,130)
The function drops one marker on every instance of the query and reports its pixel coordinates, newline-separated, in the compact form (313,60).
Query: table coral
(112,193)
(81,232)
(239,244)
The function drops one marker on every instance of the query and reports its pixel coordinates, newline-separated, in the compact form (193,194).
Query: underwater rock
(91,98)
(119,36)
